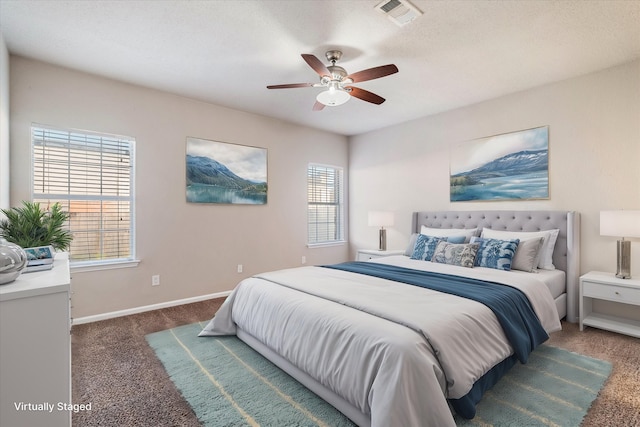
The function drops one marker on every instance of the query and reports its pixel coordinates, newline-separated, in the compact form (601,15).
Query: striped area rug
(229,384)
(554,389)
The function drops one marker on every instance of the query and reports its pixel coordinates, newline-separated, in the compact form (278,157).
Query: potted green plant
(31,226)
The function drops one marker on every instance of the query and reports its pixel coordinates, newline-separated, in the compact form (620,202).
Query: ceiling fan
(338,83)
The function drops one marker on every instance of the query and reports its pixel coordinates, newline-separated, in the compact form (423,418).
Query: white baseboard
(142,309)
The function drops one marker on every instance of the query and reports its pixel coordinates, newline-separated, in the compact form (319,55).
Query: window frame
(340,204)
(91,264)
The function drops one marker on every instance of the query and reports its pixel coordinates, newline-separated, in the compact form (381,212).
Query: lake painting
(219,172)
(511,166)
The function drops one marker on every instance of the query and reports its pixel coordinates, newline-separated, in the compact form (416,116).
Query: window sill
(83,267)
(325,244)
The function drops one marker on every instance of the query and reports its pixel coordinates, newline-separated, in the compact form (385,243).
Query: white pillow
(468,233)
(546,250)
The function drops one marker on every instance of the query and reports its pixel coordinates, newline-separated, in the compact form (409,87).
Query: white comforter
(394,351)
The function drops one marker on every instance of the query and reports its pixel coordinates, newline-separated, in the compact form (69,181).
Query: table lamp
(621,224)
(382,220)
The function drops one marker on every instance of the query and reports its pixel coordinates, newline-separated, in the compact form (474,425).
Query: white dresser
(35,348)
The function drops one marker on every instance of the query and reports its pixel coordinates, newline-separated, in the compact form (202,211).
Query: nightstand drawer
(364,257)
(369,254)
(611,292)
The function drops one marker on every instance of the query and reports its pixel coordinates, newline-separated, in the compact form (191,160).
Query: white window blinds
(325,204)
(91,176)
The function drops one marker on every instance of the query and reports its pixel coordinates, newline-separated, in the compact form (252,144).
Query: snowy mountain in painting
(519,163)
(203,170)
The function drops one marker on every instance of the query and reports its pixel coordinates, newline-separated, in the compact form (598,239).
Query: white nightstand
(597,285)
(367,254)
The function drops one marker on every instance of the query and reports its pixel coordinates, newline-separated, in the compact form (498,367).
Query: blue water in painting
(533,185)
(200,193)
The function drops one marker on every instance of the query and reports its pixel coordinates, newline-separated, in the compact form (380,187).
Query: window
(91,176)
(325,204)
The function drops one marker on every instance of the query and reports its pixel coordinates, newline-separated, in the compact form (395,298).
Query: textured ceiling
(225,52)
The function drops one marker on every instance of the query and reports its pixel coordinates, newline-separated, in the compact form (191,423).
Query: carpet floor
(116,370)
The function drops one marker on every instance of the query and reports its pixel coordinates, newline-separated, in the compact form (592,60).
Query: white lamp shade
(380,219)
(620,223)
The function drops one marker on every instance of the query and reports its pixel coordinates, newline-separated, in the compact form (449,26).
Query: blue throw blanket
(512,308)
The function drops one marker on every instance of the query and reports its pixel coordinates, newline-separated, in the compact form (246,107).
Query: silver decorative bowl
(12,260)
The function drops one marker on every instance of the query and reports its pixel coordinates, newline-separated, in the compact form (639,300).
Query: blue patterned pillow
(425,247)
(463,254)
(412,242)
(495,253)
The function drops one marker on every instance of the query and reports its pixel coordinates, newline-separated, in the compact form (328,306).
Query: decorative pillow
(456,239)
(425,246)
(412,242)
(527,255)
(460,254)
(496,254)
(468,233)
(546,250)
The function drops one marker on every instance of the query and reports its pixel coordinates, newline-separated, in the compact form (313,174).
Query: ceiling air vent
(401,12)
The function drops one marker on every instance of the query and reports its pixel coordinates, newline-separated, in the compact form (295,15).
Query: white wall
(594,155)
(4,125)
(594,124)
(195,248)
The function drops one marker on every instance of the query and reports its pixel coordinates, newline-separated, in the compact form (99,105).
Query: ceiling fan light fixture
(333,97)
(338,82)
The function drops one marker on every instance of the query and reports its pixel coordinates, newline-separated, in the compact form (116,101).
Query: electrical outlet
(239,268)
(304,259)
(155,280)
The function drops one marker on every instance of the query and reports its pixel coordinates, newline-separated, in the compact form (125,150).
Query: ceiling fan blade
(289,86)
(318,106)
(316,64)
(365,95)
(373,73)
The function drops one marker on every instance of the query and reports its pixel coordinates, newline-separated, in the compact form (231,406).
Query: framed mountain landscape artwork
(511,166)
(220,172)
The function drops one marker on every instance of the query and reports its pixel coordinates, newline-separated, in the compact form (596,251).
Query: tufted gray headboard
(566,255)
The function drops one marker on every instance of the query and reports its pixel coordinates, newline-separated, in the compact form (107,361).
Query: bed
(371,340)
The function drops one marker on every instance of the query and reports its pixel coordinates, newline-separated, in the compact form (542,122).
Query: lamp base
(623,270)
(382,240)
